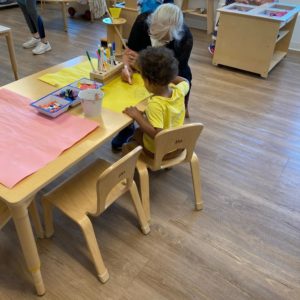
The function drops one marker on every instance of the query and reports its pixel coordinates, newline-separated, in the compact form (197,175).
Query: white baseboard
(294,46)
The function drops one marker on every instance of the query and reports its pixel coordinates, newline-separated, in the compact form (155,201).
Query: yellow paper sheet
(68,75)
(119,94)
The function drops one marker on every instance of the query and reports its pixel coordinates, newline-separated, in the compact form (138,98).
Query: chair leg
(138,208)
(48,217)
(35,217)
(89,234)
(195,168)
(144,187)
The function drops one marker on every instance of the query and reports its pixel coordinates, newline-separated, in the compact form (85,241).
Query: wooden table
(19,197)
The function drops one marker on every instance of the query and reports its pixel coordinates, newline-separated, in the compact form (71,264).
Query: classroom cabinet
(254,38)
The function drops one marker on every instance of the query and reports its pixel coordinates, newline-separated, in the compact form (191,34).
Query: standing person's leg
(44,45)
(35,39)
(211,47)
(32,13)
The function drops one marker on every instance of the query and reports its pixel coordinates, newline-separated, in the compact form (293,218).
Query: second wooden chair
(90,193)
(180,138)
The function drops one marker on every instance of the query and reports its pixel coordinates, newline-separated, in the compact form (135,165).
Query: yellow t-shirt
(165,112)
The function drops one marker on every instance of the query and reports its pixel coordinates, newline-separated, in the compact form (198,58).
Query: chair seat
(79,192)
(4,214)
(150,162)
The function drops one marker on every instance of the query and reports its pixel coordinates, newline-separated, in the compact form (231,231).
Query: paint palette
(69,93)
(85,84)
(51,105)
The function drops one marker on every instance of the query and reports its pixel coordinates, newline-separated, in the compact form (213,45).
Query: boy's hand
(133,112)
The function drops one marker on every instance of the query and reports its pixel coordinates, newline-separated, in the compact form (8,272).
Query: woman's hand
(130,57)
(126,74)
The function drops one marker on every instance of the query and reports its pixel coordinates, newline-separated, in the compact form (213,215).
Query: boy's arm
(144,124)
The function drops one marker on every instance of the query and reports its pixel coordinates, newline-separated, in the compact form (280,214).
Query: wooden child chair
(91,192)
(166,141)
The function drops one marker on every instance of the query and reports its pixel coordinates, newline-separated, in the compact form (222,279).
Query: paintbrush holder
(109,74)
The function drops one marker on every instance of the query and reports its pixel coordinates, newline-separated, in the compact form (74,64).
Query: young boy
(165,108)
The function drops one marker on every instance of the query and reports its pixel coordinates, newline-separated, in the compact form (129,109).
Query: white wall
(295,42)
(201,23)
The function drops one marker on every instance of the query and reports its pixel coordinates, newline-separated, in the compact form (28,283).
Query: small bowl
(51,105)
(115,12)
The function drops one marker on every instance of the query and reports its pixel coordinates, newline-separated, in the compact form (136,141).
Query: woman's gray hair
(166,23)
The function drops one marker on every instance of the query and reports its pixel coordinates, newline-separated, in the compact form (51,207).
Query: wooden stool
(5,31)
(112,35)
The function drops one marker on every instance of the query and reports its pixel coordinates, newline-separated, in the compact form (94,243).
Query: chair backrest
(116,179)
(179,138)
(4,214)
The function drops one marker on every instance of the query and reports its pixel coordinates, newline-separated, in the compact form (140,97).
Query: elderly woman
(164,27)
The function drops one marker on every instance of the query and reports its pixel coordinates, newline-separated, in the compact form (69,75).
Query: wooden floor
(245,244)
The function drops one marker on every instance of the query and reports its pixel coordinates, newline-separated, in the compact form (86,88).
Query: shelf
(7,3)
(282,34)
(277,57)
(195,12)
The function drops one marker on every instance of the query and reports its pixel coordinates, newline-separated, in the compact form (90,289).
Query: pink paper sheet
(28,140)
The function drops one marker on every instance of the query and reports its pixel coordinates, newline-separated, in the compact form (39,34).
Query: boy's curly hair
(158,65)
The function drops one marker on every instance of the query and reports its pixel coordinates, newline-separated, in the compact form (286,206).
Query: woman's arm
(137,41)
(183,49)
(179,79)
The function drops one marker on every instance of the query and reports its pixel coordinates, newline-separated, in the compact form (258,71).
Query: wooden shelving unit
(254,38)
(130,12)
(208,15)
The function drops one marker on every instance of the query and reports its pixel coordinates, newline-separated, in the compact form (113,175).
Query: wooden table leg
(26,238)
(35,217)
(64,14)
(11,51)
(210,16)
